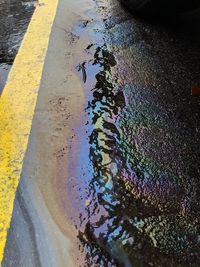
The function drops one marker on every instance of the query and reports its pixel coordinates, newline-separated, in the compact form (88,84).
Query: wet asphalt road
(14,18)
(134,193)
(141,190)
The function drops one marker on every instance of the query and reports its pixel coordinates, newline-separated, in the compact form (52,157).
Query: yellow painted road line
(17,105)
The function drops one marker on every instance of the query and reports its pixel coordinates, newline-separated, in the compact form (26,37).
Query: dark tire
(160,7)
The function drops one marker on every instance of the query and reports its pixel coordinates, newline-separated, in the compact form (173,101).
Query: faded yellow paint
(17,105)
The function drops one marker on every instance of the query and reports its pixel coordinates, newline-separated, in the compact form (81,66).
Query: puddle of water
(131,209)
(103,225)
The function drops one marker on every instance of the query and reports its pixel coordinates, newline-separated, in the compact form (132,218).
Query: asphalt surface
(132,189)
(14,18)
(142,192)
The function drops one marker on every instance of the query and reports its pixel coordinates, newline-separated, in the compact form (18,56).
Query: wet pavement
(131,188)
(14,18)
(140,182)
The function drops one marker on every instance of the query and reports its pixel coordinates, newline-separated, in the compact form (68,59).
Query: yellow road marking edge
(17,105)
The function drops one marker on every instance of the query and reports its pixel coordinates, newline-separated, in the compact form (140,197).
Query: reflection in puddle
(105,189)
